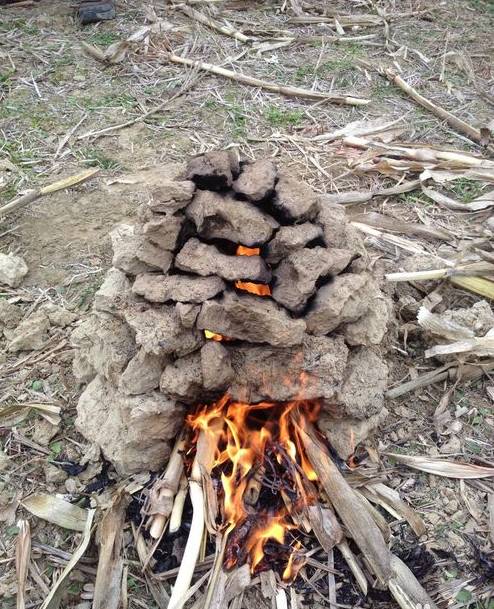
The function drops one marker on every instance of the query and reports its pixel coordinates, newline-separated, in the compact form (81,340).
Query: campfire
(263,474)
(236,343)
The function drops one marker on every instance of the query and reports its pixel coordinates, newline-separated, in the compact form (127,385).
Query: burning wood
(258,473)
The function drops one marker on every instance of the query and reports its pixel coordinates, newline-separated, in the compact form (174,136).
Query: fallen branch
(33,195)
(269,86)
(453,121)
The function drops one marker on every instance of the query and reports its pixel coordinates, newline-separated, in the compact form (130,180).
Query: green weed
(277,116)
(466,190)
(96,158)
(238,120)
(19,24)
(414,198)
(486,6)
(103,39)
(380,90)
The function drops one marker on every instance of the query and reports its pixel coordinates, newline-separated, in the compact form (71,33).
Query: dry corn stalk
(163,496)
(452,120)
(348,506)
(214,25)
(33,195)
(206,449)
(269,86)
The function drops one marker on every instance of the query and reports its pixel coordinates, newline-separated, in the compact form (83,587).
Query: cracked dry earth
(48,86)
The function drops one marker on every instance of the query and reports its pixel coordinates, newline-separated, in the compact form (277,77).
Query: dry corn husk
(442,467)
(391,501)
(440,325)
(405,588)
(14,413)
(57,511)
(108,584)
(465,340)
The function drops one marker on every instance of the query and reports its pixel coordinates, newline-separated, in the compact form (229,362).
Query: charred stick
(254,485)
(236,547)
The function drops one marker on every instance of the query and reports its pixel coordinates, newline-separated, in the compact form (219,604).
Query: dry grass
(53,94)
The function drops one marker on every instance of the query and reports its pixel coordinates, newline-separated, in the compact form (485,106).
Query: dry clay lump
(213,171)
(180,288)
(297,275)
(132,431)
(143,352)
(257,180)
(252,319)
(205,260)
(223,217)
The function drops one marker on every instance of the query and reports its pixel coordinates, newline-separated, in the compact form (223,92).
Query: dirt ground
(54,98)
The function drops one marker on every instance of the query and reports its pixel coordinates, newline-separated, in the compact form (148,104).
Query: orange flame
(213,336)
(250,436)
(248,251)
(261,289)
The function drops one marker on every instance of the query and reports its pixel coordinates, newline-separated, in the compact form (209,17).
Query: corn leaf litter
(57,511)
(430,162)
(440,467)
(108,585)
(52,601)
(13,414)
(465,340)
(405,588)
(391,501)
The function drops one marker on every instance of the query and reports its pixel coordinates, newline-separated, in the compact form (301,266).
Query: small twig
(67,136)
(22,560)
(449,371)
